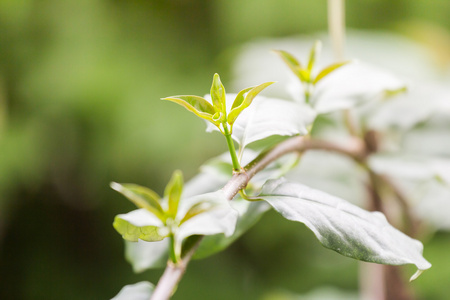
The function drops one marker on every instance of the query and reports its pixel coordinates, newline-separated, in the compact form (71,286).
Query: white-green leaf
(140,224)
(138,291)
(249,214)
(144,255)
(343,227)
(348,87)
(218,216)
(267,117)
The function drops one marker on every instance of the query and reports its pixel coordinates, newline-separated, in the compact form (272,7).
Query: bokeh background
(80,83)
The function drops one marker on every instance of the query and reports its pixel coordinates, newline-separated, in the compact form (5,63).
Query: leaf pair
(173,216)
(305,74)
(216,113)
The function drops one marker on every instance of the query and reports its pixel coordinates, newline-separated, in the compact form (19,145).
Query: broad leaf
(328,70)
(195,104)
(173,192)
(140,224)
(249,215)
(141,196)
(138,291)
(218,94)
(343,227)
(146,255)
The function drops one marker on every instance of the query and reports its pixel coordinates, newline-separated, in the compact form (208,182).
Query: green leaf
(328,70)
(218,94)
(141,196)
(140,224)
(315,52)
(292,63)
(241,103)
(138,291)
(173,192)
(343,227)
(249,215)
(195,104)
(147,255)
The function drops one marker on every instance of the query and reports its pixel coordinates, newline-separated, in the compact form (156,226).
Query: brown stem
(173,273)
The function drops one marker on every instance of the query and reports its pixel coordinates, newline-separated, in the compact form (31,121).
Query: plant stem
(230,143)
(174,272)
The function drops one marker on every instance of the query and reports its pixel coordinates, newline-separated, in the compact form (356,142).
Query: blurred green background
(80,82)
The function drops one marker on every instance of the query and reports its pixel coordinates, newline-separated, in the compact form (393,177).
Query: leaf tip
(116,186)
(416,275)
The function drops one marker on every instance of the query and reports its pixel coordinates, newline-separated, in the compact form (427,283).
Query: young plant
(210,214)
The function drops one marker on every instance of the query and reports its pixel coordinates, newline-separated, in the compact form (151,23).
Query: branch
(174,272)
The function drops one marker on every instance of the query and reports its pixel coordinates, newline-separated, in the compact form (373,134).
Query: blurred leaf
(138,291)
(198,105)
(249,215)
(218,94)
(141,196)
(140,224)
(328,70)
(343,227)
(147,255)
(173,192)
(314,53)
(241,103)
(293,64)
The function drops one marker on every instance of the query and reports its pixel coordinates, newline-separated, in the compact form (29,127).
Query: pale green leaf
(218,94)
(292,63)
(313,55)
(217,216)
(327,70)
(141,196)
(195,104)
(147,255)
(343,227)
(268,117)
(138,291)
(140,224)
(241,103)
(249,215)
(173,192)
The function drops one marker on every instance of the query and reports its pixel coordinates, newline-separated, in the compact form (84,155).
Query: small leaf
(141,196)
(328,70)
(173,192)
(195,104)
(343,227)
(292,63)
(241,103)
(315,52)
(218,94)
(140,224)
(138,291)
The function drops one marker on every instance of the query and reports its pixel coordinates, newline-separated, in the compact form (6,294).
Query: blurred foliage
(80,82)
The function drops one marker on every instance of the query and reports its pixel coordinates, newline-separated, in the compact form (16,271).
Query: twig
(173,273)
